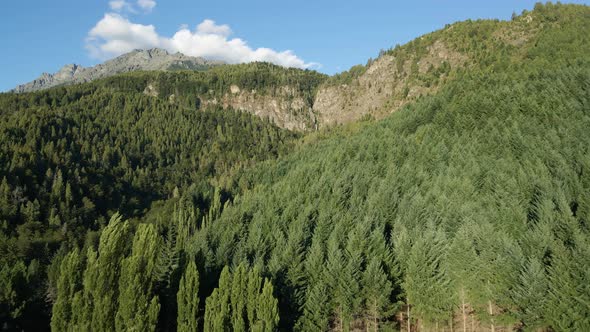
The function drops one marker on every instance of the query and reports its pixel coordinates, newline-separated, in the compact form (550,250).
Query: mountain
(447,188)
(405,73)
(466,209)
(154,59)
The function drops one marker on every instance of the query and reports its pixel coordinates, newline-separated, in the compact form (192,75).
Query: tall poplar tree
(68,283)
(188,299)
(138,305)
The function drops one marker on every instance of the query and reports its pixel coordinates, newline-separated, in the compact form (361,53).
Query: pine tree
(7,207)
(567,307)
(188,299)
(426,282)
(82,303)
(343,277)
(185,223)
(530,295)
(376,292)
(316,310)
(239,303)
(167,276)
(497,264)
(214,208)
(212,321)
(461,264)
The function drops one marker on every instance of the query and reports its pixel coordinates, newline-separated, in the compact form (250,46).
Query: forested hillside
(404,73)
(71,157)
(284,95)
(468,209)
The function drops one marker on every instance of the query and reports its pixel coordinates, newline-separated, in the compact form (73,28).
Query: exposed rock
(234,89)
(285,107)
(150,90)
(153,59)
(383,88)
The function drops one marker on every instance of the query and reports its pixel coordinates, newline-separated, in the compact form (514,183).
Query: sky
(326,35)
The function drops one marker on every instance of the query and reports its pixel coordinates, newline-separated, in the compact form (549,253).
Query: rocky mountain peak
(150,59)
(157,52)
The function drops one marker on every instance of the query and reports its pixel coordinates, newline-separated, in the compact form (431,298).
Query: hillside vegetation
(124,208)
(283,95)
(421,67)
(71,157)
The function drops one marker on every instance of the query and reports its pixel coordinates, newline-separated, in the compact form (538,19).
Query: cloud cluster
(146,4)
(115,35)
(132,7)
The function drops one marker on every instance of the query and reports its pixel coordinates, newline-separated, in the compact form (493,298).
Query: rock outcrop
(387,84)
(153,59)
(286,107)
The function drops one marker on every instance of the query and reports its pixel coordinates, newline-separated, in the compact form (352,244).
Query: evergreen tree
(213,321)
(530,295)
(567,306)
(376,290)
(316,310)
(343,277)
(426,282)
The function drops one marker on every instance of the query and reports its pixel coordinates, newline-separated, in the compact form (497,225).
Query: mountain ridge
(447,190)
(154,59)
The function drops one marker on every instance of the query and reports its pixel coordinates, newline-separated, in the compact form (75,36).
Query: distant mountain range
(152,59)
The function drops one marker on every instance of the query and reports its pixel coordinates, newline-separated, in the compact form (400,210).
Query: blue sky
(41,36)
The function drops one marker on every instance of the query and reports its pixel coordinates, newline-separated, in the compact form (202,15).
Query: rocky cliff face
(387,84)
(421,67)
(153,59)
(285,107)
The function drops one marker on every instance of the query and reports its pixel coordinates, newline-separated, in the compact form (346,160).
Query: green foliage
(68,284)
(348,76)
(464,189)
(377,289)
(426,282)
(267,310)
(188,299)
(242,303)
(71,156)
(473,201)
(138,305)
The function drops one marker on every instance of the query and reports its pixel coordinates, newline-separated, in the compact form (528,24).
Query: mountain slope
(283,95)
(153,59)
(466,208)
(421,67)
(72,156)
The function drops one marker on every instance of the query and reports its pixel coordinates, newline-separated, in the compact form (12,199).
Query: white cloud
(208,27)
(117,5)
(123,5)
(146,5)
(115,35)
